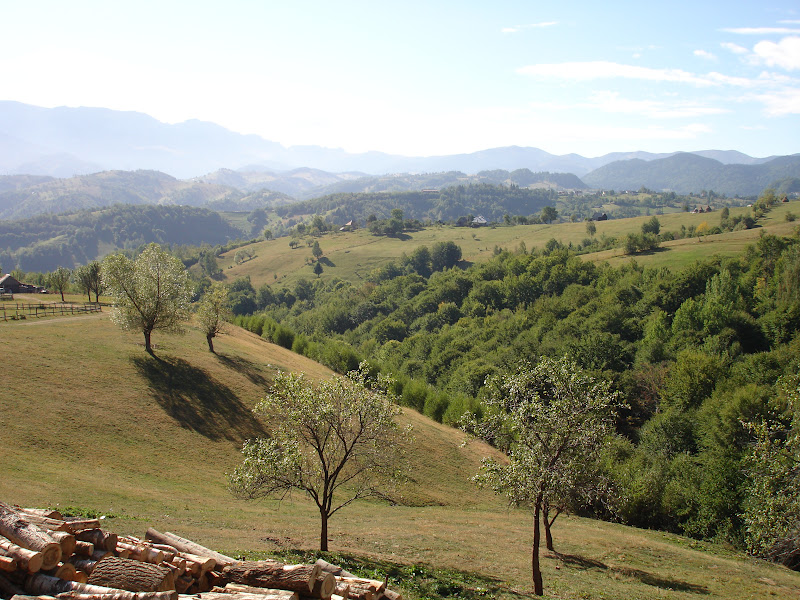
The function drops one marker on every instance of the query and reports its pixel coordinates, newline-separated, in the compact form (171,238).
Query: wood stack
(44,556)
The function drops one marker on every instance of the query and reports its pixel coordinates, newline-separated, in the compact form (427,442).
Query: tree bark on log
(23,533)
(370,584)
(101,539)
(392,595)
(8,564)
(273,574)
(333,569)
(44,512)
(79,524)
(85,565)
(323,587)
(30,560)
(42,585)
(64,571)
(141,553)
(261,594)
(82,548)
(46,523)
(132,575)
(355,592)
(188,546)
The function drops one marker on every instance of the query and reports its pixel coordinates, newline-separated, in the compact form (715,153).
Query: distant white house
(479,221)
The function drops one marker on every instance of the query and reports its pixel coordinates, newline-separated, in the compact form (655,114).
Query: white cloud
(518,28)
(784,54)
(735,48)
(705,54)
(586,71)
(781,103)
(761,30)
(612,102)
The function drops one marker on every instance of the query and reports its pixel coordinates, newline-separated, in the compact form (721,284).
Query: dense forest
(701,356)
(45,242)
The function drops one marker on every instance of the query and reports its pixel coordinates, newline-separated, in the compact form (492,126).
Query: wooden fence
(12,311)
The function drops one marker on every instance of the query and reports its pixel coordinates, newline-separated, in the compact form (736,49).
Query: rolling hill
(91,423)
(690,173)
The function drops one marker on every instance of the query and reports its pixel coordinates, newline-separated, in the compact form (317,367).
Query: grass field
(90,421)
(352,256)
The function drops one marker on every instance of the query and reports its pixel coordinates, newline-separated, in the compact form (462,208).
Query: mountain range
(64,141)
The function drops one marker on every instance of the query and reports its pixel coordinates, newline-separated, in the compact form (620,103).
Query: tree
(151,292)
(59,280)
(316,251)
(318,269)
(82,278)
(549,214)
(268,234)
(591,228)
(445,255)
(213,310)
(335,442)
(651,226)
(552,419)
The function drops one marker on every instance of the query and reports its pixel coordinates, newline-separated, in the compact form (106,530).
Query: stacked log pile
(46,556)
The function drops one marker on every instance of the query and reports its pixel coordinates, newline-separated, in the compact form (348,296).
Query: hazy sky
(426,78)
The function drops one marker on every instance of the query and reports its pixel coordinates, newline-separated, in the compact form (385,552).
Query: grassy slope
(89,420)
(351,256)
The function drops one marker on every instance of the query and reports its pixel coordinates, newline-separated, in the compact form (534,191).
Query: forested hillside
(448,204)
(686,173)
(45,242)
(47,195)
(696,353)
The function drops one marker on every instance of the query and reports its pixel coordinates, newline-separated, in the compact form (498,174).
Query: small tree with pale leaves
(59,280)
(336,442)
(150,292)
(552,420)
(212,312)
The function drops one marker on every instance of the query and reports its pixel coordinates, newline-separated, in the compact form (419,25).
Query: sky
(425,78)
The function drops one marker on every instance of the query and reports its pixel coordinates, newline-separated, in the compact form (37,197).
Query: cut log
(182,583)
(100,538)
(85,565)
(46,523)
(64,571)
(30,560)
(50,586)
(141,552)
(132,575)
(44,512)
(81,577)
(333,569)
(179,563)
(100,554)
(23,533)
(392,595)
(355,592)
(185,545)
(206,563)
(79,523)
(67,542)
(323,587)
(370,584)
(82,548)
(273,574)
(256,594)
(8,564)
(342,589)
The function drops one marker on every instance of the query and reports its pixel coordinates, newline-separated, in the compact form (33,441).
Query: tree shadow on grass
(581,562)
(197,401)
(324,260)
(246,367)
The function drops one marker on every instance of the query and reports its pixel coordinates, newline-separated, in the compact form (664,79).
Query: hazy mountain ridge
(105,189)
(64,141)
(688,172)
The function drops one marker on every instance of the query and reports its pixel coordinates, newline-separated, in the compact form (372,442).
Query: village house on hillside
(479,221)
(11,285)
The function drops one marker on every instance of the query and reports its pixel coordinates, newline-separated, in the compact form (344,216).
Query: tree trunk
(323,534)
(548,523)
(23,533)
(273,574)
(132,575)
(538,589)
(148,348)
(210,338)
